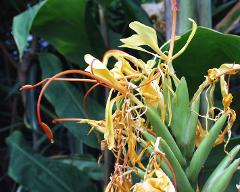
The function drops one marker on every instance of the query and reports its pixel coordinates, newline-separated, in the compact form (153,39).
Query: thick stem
(204,13)
(187,9)
(168,18)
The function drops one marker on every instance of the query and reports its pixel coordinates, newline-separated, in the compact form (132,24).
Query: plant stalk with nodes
(148,115)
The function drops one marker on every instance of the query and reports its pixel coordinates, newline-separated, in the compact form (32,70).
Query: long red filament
(85,96)
(98,79)
(27,87)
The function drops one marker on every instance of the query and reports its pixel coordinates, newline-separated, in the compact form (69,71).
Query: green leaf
(87,164)
(135,12)
(207,49)
(22,24)
(68,101)
(39,174)
(62,23)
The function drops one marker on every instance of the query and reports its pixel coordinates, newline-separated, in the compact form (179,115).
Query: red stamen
(98,79)
(48,131)
(28,87)
(85,96)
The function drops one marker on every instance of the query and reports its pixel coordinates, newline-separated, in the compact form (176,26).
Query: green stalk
(204,13)
(186,10)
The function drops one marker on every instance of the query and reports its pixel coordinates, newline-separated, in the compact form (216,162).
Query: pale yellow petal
(145,36)
(194,29)
(109,133)
(99,69)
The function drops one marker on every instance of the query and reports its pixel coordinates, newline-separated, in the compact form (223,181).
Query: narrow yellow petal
(109,132)
(194,29)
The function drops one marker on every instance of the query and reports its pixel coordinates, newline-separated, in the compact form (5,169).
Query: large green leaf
(68,101)
(62,23)
(39,174)
(87,164)
(135,12)
(22,25)
(208,49)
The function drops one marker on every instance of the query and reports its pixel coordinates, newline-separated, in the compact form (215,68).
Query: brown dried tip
(48,131)
(26,87)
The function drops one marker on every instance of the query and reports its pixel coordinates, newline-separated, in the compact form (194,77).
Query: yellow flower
(159,183)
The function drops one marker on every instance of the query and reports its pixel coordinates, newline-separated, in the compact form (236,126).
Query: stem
(173,33)
(168,18)
(186,10)
(27,87)
(205,13)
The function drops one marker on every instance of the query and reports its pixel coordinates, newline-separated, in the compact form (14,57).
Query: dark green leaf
(208,49)
(87,164)
(39,174)
(135,12)
(62,23)
(22,25)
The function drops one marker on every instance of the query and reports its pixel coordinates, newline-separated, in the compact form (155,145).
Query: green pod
(180,112)
(183,183)
(203,150)
(190,131)
(220,169)
(162,131)
(221,184)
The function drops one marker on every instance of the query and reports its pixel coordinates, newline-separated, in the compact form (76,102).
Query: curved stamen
(45,128)
(85,96)
(28,87)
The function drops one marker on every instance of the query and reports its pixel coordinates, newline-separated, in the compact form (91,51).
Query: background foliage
(52,36)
